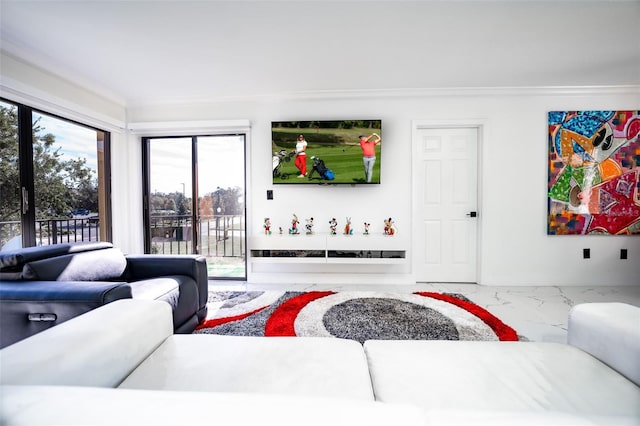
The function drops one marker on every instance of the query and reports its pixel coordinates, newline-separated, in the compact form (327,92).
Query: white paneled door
(446,200)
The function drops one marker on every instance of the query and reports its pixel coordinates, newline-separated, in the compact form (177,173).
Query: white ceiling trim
(405,93)
(181,128)
(29,59)
(45,102)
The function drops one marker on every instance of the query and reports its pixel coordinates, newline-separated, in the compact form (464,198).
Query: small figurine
(280,230)
(333,224)
(267,226)
(366,228)
(294,225)
(389,228)
(347,227)
(309,226)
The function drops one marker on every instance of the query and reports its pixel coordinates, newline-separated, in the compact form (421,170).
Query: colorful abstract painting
(594,173)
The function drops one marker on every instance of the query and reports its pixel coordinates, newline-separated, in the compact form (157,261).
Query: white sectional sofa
(121,364)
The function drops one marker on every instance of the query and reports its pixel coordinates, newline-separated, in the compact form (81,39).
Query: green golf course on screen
(329,152)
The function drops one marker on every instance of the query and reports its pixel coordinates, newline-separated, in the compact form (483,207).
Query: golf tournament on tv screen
(326,152)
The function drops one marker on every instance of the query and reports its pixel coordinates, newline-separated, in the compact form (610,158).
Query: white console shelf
(326,248)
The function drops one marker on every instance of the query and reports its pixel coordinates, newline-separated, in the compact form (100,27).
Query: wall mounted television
(337,152)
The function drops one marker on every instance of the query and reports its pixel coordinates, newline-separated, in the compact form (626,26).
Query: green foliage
(9,174)
(60,184)
(326,124)
(227,199)
(346,134)
(162,203)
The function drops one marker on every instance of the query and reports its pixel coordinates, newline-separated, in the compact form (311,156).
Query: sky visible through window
(220,159)
(74,141)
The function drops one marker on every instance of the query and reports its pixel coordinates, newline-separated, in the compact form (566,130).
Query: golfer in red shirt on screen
(368,145)
(301,156)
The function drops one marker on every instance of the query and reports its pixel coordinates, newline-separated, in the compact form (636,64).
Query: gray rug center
(387,319)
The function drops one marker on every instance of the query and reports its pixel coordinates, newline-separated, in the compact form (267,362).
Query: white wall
(38,88)
(514,247)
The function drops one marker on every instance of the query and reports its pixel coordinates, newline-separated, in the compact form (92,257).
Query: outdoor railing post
(233,234)
(224,236)
(54,232)
(240,233)
(217,233)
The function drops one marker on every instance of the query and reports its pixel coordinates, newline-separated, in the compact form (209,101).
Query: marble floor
(537,313)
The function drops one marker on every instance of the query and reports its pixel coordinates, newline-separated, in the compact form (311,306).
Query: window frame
(26,172)
(195,216)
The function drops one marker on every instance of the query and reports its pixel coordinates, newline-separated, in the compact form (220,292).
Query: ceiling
(145,52)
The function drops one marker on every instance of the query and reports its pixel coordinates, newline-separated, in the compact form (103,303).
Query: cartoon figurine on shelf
(366,228)
(280,230)
(389,228)
(347,227)
(294,225)
(333,224)
(309,226)
(267,226)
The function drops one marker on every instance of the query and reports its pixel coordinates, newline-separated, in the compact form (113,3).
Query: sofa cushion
(499,376)
(610,332)
(160,288)
(14,260)
(99,348)
(305,366)
(29,307)
(179,291)
(523,418)
(98,265)
(56,405)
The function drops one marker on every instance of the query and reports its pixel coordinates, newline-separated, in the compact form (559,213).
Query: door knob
(472,214)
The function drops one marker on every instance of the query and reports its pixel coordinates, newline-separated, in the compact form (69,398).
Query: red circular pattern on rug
(281,322)
(359,316)
(502,330)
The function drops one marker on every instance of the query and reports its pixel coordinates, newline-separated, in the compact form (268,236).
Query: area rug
(354,315)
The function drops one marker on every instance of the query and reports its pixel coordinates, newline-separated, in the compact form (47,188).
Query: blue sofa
(41,287)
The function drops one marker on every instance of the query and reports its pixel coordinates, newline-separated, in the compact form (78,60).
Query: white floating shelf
(326,248)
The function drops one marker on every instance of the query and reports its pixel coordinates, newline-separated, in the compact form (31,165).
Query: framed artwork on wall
(594,173)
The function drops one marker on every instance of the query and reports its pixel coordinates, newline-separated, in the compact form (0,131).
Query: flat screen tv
(326,152)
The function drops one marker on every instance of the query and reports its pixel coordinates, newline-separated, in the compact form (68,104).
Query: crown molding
(9,50)
(179,128)
(40,100)
(401,93)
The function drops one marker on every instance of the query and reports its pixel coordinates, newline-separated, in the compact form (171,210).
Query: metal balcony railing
(220,235)
(54,231)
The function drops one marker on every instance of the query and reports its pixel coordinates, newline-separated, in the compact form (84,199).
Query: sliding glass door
(194,200)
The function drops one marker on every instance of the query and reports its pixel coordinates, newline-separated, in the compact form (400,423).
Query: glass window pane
(65,168)
(10,227)
(170,201)
(221,191)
